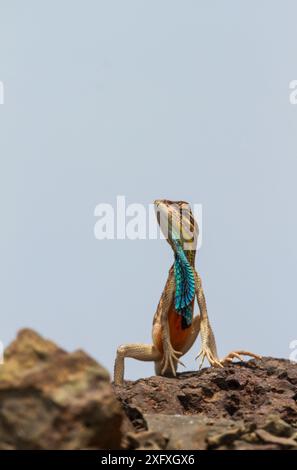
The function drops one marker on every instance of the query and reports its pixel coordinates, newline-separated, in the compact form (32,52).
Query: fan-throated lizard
(174,326)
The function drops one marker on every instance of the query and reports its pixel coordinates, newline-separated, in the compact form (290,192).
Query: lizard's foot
(170,360)
(238,355)
(215,362)
(207,353)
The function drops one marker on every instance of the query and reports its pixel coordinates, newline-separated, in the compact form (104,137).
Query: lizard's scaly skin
(172,337)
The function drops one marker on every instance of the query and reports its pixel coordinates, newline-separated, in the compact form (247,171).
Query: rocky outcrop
(250,405)
(51,399)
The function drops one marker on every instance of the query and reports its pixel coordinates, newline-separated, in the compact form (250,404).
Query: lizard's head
(177,222)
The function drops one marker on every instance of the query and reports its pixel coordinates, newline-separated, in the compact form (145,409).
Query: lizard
(175,328)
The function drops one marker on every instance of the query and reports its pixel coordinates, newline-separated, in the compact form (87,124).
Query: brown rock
(51,399)
(248,391)
(227,436)
(146,440)
(278,427)
(182,432)
(248,405)
(266,436)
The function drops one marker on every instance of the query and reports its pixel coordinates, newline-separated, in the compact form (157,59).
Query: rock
(146,440)
(278,427)
(51,399)
(248,405)
(182,432)
(266,436)
(248,391)
(227,436)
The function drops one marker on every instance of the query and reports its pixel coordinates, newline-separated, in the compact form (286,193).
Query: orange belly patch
(178,336)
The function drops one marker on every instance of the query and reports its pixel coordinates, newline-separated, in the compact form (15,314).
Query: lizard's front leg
(208,342)
(208,347)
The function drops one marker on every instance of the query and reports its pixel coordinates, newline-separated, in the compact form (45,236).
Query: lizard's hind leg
(142,352)
(237,355)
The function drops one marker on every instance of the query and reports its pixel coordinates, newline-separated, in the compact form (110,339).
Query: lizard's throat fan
(181,231)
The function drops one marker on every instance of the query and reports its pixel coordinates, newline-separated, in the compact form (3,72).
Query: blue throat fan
(184,285)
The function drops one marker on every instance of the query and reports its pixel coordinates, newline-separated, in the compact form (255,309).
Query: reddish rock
(51,399)
(247,391)
(240,406)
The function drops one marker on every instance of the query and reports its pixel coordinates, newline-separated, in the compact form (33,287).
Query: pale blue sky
(148,99)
